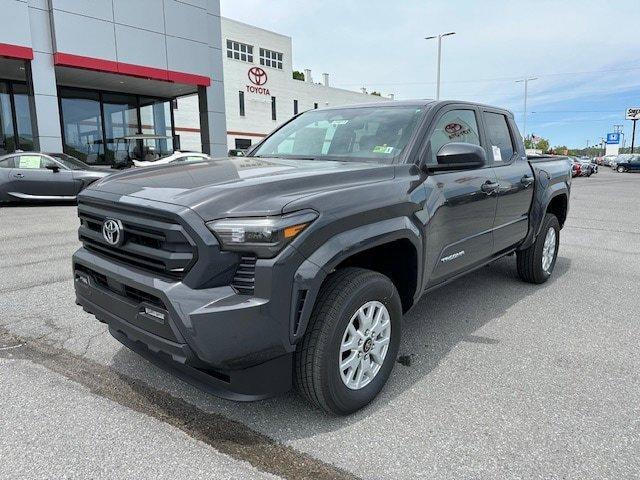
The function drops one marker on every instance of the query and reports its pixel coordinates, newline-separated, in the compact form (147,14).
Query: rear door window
(499,137)
(454,126)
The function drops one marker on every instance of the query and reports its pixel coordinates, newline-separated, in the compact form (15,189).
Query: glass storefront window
(155,119)
(82,125)
(23,116)
(16,131)
(97,126)
(120,119)
(7,140)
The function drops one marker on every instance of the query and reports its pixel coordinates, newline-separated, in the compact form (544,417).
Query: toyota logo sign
(257,76)
(112,231)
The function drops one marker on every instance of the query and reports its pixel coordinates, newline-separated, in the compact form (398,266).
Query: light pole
(526,85)
(439,37)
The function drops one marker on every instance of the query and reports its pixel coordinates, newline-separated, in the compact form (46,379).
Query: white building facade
(259,89)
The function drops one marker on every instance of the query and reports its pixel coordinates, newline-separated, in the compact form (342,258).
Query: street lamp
(526,84)
(439,37)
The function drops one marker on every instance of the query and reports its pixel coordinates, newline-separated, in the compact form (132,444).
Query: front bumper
(234,346)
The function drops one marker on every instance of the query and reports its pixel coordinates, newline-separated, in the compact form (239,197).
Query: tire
(530,260)
(620,169)
(317,375)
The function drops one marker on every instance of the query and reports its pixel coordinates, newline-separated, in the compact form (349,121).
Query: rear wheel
(352,342)
(536,263)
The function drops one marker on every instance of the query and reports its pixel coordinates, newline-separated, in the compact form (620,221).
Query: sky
(584,53)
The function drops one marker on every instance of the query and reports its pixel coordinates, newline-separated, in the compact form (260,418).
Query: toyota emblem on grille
(112,231)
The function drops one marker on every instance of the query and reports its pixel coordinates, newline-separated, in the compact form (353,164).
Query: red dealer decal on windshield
(257,76)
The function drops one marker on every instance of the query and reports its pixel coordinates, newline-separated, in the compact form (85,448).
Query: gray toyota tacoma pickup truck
(294,265)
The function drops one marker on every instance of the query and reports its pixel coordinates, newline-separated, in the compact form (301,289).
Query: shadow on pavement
(432,328)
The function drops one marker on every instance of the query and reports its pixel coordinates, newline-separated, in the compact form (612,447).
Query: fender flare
(314,270)
(538,210)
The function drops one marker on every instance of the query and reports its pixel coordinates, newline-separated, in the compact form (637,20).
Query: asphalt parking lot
(502,379)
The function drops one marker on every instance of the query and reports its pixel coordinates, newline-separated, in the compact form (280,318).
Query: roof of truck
(415,103)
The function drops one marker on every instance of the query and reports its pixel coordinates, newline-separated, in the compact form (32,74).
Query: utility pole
(439,37)
(526,81)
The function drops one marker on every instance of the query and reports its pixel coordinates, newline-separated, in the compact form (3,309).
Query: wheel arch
(392,247)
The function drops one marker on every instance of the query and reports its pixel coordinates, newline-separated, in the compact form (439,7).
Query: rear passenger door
(515,177)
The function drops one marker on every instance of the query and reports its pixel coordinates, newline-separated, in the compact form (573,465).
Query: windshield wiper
(285,157)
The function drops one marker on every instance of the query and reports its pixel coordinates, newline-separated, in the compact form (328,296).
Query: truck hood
(240,186)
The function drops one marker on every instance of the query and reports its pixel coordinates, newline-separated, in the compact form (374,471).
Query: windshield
(349,134)
(70,162)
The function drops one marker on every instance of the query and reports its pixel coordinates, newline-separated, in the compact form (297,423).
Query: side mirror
(54,168)
(460,156)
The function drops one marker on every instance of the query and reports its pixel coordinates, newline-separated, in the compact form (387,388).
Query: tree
(298,75)
(561,150)
(377,94)
(543,144)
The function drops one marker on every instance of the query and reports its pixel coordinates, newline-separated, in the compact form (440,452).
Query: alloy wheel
(364,345)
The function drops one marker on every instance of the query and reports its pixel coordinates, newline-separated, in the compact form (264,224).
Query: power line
(495,79)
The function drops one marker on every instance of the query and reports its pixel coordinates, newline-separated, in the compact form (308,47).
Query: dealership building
(259,89)
(83,77)
(78,75)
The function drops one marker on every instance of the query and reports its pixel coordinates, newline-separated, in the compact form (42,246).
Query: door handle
(527,180)
(489,187)
(18,175)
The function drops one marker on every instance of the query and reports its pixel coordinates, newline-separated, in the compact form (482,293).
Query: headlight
(264,236)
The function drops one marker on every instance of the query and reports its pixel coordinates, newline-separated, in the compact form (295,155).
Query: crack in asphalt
(223,434)
(39,284)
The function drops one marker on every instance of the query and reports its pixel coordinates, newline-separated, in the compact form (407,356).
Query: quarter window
(7,162)
(454,126)
(239,51)
(269,58)
(499,137)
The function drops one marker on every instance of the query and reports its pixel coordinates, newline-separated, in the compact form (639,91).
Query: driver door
(33,179)
(461,204)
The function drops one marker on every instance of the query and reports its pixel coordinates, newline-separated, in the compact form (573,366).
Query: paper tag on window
(382,149)
(497,156)
(29,161)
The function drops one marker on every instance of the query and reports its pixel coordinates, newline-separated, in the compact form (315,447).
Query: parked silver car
(29,176)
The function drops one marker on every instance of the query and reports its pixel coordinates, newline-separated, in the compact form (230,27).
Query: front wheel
(352,341)
(536,263)
(620,169)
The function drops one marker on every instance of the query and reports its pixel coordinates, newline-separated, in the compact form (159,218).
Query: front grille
(245,278)
(150,241)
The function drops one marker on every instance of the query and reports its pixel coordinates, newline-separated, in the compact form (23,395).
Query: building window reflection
(16,132)
(82,125)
